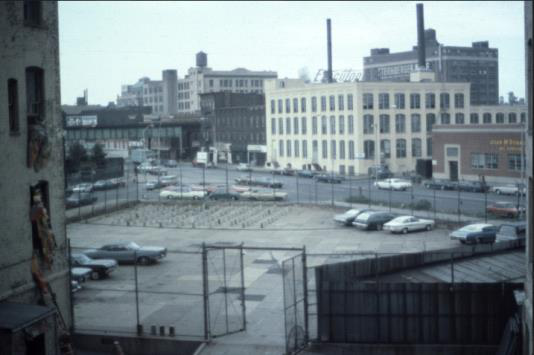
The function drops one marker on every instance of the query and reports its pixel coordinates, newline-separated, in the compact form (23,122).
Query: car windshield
(509,230)
(364,216)
(133,246)
(472,228)
(82,258)
(351,212)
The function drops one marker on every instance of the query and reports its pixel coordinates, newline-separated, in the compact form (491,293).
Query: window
(280,125)
(35,94)
(416,147)
(473,118)
(429,146)
(341,149)
(349,102)
(444,100)
(304,149)
(400,123)
(273,125)
(512,117)
(272,107)
(303,127)
(401,148)
(341,124)
(415,101)
(499,118)
(514,162)
(288,147)
(459,100)
(351,124)
(13,105)
(325,149)
(367,101)
(369,149)
(288,125)
(384,123)
(32,13)
(399,101)
(295,125)
(477,161)
(332,102)
(452,151)
(333,149)
(416,123)
(430,100)
(323,103)
(314,104)
(486,117)
(315,149)
(351,150)
(281,147)
(314,125)
(288,105)
(323,125)
(523,117)
(459,118)
(445,118)
(385,148)
(430,121)
(280,104)
(297,150)
(332,124)
(295,105)
(491,160)
(368,124)
(383,101)
(340,102)
(303,104)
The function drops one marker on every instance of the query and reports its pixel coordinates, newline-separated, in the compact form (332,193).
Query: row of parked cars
(368,219)
(475,186)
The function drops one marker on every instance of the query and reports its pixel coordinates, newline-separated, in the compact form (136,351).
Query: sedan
(348,217)
(509,189)
(80,199)
(305,173)
(264,195)
(244,167)
(438,184)
(267,182)
(472,186)
(184,192)
(329,178)
(475,233)
(80,274)
(394,184)
(505,209)
(222,194)
(85,187)
(154,185)
(125,252)
(512,231)
(99,268)
(405,224)
(372,220)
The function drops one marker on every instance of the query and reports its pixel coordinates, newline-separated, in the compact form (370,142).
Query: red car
(505,209)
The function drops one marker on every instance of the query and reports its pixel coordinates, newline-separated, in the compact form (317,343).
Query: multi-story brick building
(32,216)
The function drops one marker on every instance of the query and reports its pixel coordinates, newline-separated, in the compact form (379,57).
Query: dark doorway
(36,345)
(453,170)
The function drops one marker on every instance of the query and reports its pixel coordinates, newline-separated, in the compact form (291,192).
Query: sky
(104,45)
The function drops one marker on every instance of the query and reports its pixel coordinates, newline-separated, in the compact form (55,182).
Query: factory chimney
(329,50)
(421,37)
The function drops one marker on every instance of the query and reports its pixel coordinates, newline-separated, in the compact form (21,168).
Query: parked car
(168,180)
(169,163)
(75,286)
(348,217)
(85,187)
(106,184)
(124,252)
(329,178)
(372,220)
(288,171)
(99,268)
(157,170)
(244,180)
(267,182)
(208,187)
(439,184)
(154,185)
(256,194)
(222,194)
(184,192)
(509,189)
(244,167)
(80,274)
(405,224)
(475,233)
(78,199)
(505,209)
(305,173)
(512,231)
(393,184)
(472,186)
(239,188)
(379,172)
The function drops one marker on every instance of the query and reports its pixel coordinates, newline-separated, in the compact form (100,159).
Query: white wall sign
(81,121)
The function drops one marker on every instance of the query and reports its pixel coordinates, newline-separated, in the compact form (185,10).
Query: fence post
(295,301)
(117,196)
(243,303)
(350,190)
(459,202)
(138,325)
(434,203)
(105,200)
(205,291)
(411,199)
(315,185)
(332,184)
(305,291)
(225,290)
(71,298)
(389,194)
(369,186)
(452,268)
(486,206)
(298,196)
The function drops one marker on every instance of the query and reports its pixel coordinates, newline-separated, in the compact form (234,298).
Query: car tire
(143,260)
(94,275)
(428,227)
(405,231)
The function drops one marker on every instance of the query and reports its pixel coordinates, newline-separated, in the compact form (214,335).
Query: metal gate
(295,303)
(224,290)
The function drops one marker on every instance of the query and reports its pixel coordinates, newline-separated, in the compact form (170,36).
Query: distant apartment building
(33,256)
(236,124)
(173,95)
(478,65)
(348,127)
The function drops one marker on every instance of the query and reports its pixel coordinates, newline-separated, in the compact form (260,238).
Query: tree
(99,156)
(77,154)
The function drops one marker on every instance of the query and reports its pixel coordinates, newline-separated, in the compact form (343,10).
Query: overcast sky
(106,44)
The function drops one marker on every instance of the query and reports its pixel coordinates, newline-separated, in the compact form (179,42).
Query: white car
(244,167)
(394,184)
(185,192)
(348,217)
(509,189)
(264,195)
(85,187)
(405,224)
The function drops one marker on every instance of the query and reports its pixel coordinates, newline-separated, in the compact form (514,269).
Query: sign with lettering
(507,145)
(340,76)
(81,121)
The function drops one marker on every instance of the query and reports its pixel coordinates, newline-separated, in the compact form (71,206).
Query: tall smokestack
(329,49)
(421,37)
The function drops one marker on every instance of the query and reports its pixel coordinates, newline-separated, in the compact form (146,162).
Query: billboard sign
(339,76)
(81,121)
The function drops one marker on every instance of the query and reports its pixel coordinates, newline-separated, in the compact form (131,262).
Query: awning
(17,316)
